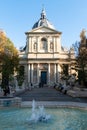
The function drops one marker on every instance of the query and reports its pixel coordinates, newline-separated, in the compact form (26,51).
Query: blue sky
(18,16)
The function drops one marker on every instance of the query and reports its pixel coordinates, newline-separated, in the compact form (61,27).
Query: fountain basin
(10,102)
(62,119)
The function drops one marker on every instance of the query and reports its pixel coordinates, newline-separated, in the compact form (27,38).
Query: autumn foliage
(9,59)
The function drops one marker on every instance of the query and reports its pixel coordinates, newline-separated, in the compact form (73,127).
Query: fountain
(38,114)
(62,118)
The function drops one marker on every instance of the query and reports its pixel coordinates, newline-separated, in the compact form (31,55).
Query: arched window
(43,45)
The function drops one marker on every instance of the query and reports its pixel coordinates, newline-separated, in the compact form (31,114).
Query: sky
(68,17)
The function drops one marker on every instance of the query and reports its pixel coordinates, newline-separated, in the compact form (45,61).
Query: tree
(81,58)
(9,60)
(20,76)
(2,41)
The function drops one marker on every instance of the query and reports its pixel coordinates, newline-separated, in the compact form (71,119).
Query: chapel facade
(43,57)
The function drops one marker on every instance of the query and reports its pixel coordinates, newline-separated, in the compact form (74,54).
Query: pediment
(43,29)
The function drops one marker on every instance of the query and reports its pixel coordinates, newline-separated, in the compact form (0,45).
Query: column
(48,44)
(32,73)
(38,73)
(58,73)
(55,73)
(28,73)
(57,43)
(29,44)
(32,44)
(54,43)
(48,73)
(38,46)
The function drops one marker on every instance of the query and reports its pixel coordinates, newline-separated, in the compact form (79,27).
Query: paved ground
(48,94)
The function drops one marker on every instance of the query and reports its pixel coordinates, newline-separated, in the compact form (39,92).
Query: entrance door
(43,77)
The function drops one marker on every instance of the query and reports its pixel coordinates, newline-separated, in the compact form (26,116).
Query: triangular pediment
(43,29)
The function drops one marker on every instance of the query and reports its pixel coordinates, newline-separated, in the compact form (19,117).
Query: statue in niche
(51,46)
(35,46)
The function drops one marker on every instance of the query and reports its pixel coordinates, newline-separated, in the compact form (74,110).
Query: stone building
(44,57)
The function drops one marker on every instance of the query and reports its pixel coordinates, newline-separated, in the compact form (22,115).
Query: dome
(43,21)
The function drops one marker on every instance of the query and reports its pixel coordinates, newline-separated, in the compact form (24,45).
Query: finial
(42,6)
(43,13)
